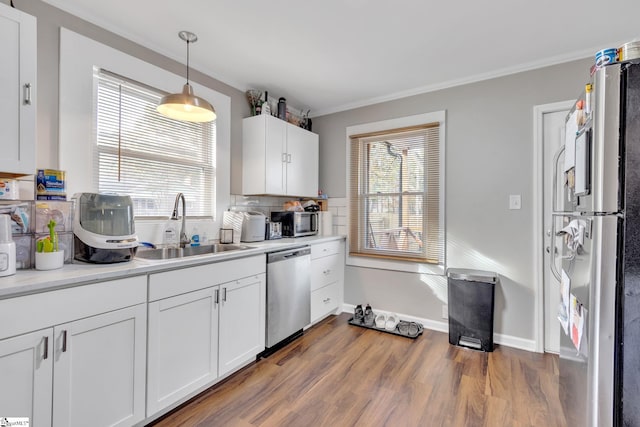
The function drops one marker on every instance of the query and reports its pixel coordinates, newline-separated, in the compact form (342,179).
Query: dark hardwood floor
(343,375)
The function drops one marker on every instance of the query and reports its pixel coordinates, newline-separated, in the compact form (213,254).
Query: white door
(553,138)
(183,346)
(302,162)
(26,372)
(18,53)
(99,369)
(275,156)
(242,321)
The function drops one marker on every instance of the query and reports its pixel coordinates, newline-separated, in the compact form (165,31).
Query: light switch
(515,202)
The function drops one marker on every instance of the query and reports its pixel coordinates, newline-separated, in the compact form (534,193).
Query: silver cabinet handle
(27,94)
(224,294)
(284,157)
(327,271)
(288,158)
(64,341)
(45,353)
(216,298)
(326,300)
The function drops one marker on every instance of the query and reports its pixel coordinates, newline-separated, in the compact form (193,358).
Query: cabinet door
(99,369)
(26,372)
(242,321)
(275,156)
(183,346)
(17,85)
(302,162)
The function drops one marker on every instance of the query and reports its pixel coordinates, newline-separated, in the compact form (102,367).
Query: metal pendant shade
(185,105)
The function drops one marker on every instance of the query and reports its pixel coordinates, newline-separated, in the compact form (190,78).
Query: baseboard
(440,326)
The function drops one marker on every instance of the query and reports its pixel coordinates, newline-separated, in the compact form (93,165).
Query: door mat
(402,326)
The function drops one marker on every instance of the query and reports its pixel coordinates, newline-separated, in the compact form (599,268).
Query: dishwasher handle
(288,254)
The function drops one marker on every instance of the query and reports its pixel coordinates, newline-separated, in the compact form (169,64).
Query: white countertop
(79,273)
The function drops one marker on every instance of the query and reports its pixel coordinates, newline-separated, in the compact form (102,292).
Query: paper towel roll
(326,223)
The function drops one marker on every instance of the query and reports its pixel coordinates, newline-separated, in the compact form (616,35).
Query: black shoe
(358,316)
(369,317)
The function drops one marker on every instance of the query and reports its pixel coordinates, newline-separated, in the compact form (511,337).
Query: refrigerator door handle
(552,249)
(554,192)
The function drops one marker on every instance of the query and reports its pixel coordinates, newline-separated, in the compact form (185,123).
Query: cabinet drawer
(181,281)
(324,301)
(323,249)
(326,270)
(30,312)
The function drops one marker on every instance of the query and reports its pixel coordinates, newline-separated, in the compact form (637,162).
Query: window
(150,157)
(396,191)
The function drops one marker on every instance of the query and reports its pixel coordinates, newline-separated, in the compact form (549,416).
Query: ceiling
(334,55)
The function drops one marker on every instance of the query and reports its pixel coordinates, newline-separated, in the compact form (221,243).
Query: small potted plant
(48,254)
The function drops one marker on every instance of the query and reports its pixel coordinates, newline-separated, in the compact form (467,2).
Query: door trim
(538,216)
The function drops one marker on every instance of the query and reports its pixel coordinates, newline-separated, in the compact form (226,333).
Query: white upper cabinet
(278,158)
(18,51)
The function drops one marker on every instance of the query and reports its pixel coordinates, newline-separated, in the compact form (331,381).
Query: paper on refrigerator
(563,309)
(571,129)
(577,315)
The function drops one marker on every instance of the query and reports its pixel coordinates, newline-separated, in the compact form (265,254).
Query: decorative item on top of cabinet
(18,102)
(254,98)
(278,158)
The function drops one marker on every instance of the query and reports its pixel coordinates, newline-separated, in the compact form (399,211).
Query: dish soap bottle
(195,237)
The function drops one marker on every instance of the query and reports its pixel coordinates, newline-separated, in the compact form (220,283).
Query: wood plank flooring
(343,375)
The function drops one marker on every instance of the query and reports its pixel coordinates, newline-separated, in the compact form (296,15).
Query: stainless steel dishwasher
(288,294)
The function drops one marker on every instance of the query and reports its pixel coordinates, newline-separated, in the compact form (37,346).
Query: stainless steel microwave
(296,224)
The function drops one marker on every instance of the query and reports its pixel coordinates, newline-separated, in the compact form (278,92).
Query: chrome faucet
(184,240)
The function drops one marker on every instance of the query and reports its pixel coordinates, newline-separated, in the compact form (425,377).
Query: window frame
(78,57)
(107,80)
(385,125)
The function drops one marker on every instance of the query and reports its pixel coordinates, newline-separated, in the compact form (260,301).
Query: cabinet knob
(326,300)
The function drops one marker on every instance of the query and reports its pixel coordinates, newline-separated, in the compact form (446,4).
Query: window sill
(405,266)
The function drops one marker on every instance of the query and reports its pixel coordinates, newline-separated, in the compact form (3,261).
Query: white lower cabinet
(99,369)
(183,346)
(76,356)
(26,368)
(199,336)
(242,321)
(327,278)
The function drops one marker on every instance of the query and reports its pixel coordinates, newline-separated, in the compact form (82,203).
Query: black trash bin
(471,304)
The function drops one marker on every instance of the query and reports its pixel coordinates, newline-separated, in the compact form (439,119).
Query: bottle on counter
(195,237)
(7,247)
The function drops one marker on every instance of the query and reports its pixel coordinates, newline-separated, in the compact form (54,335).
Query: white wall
(489,155)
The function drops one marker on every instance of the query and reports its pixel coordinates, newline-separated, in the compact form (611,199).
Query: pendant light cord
(187,61)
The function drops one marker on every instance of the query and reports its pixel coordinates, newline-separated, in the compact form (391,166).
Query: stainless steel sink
(187,251)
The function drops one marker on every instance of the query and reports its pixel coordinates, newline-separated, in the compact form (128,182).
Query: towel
(574,233)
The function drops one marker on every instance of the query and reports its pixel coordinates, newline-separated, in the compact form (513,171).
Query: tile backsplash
(265,204)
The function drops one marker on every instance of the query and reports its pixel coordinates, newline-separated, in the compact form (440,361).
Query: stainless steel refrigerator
(597,256)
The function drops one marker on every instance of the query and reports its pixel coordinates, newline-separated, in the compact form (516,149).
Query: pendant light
(186,106)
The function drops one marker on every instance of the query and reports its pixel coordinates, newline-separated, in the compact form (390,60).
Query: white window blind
(395,204)
(148,156)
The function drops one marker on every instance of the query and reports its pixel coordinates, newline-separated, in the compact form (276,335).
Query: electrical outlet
(445,311)
(515,201)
